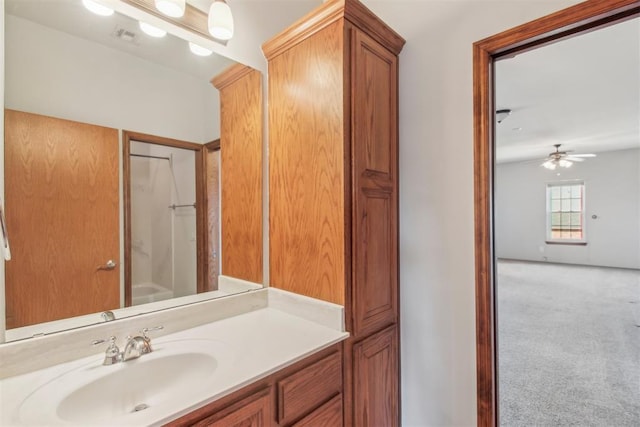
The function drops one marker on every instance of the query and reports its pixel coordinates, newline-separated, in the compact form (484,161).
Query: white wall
(436,198)
(52,73)
(612,182)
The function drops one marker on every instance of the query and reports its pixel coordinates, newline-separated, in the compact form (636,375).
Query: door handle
(6,250)
(110,265)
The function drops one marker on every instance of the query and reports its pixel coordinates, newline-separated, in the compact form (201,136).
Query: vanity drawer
(252,411)
(329,414)
(302,392)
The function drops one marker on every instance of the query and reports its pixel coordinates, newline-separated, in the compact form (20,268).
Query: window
(565,212)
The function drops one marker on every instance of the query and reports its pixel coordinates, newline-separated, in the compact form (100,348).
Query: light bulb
(565,163)
(97,8)
(152,31)
(199,50)
(173,8)
(220,20)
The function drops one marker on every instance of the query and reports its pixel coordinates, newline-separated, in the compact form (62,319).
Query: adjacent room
(567,231)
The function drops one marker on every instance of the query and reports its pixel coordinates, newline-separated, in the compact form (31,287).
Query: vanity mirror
(79,88)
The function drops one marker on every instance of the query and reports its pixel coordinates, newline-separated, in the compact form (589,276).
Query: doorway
(584,17)
(164,218)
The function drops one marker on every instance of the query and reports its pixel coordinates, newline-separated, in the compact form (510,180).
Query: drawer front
(304,391)
(252,411)
(329,414)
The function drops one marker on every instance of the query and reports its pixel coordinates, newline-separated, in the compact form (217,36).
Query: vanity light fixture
(97,8)
(220,22)
(199,50)
(152,31)
(172,8)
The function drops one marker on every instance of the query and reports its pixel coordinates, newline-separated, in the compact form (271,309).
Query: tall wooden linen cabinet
(333,188)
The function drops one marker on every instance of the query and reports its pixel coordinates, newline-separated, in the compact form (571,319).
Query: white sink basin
(128,393)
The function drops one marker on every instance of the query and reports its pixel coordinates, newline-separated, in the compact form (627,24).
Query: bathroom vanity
(275,359)
(320,346)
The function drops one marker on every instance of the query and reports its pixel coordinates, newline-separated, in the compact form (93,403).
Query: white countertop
(253,345)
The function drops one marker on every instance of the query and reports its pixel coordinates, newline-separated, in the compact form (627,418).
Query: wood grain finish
(306,167)
(62,212)
(308,388)
(376,381)
(329,415)
(375,177)
(241,165)
(127,138)
(213,411)
(253,411)
(585,16)
(333,123)
(328,13)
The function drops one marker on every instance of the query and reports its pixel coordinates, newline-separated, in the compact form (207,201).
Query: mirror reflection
(77,86)
(567,204)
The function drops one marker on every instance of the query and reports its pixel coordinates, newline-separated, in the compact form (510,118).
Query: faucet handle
(112,354)
(145,330)
(146,337)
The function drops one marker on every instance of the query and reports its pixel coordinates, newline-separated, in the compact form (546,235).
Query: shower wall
(163,239)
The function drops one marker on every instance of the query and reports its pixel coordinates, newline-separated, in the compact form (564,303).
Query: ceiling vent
(125,35)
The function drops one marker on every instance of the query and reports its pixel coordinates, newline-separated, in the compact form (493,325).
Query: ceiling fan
(563,158)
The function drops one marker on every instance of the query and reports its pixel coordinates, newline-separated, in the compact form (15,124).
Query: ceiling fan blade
(583,155)
(574,159)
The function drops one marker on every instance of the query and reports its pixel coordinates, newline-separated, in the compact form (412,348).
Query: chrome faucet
(135,347)
(112,355)
(108,316)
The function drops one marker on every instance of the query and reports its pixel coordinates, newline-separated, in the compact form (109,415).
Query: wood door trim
(213,145)
(582,17)
(127,137)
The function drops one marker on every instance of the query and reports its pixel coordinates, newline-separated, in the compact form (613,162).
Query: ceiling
(71,17)
(582,92)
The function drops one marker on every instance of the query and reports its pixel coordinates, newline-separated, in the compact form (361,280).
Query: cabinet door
(375,192)
(253,411)
(303,391)
(329,414)
(375,398)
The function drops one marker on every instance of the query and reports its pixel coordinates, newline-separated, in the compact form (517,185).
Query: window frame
(560,241)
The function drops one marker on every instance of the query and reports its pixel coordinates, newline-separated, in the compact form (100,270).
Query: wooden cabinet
(309,388)
(376,361)
(252,411)
(241,132)
(333,186)
(307,393)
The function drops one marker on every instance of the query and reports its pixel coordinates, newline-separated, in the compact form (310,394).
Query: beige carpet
(569,345)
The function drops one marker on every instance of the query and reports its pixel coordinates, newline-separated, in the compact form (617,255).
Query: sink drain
(140,407)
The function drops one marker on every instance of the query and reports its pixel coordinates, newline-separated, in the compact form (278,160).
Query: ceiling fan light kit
(563,159)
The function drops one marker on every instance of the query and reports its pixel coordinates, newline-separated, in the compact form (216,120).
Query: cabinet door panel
(376,380)
(375,175)
(253,411)
(329,415)
(305,390)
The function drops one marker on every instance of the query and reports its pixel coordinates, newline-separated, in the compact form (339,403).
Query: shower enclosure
(163,222)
